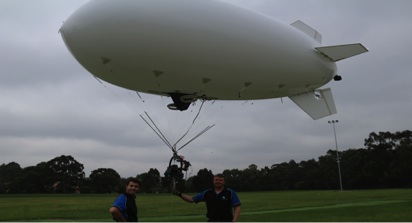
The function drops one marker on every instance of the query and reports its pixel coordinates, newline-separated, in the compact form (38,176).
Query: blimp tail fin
(316,104)
(305,28)
(340,52)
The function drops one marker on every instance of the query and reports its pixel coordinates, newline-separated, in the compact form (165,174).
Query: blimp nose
(62,33)
(68,31)
(74,29)
(67,38)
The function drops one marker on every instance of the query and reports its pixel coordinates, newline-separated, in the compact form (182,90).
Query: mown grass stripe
(358,204)
(371,203)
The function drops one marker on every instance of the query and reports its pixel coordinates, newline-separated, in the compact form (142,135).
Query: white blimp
(204,50)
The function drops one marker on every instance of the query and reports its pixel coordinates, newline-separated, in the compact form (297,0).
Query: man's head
(132,185)
(219,181)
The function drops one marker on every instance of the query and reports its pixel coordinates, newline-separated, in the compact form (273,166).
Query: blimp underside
(195,49)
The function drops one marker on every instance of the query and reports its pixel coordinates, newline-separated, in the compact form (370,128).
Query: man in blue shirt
(124,208)
(222,204)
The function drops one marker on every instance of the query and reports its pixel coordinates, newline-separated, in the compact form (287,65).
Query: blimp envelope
(204,50)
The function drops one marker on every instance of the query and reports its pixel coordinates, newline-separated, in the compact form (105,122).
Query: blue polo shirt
(219,206)
(126,203)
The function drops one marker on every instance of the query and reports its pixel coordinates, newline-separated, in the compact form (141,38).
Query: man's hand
(117,215)
(184,197)
(176,192)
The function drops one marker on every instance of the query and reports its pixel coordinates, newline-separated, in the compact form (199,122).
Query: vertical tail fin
(307,30)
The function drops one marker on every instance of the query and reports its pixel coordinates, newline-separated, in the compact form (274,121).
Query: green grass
(295,206)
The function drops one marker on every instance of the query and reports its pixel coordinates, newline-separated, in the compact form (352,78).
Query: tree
(385,162)
(353,166)
(381,150)
(8,172)
(311,175)
(203,180)
(400,170)
(266,179)
(104,180)
(286,175)
(234,178)
(68,174)
(390,153)
(250,178)
(150,181)
(329,170)
(34,179)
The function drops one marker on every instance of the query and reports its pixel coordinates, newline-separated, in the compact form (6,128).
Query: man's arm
(236,212)
(117,215)
(187,198)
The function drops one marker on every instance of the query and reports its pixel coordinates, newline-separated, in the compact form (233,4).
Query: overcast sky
(51,106)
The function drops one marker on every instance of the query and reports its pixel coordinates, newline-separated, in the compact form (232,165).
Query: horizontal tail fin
(340,52)
(316,104)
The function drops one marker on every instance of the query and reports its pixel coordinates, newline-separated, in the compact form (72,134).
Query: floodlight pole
(337,152)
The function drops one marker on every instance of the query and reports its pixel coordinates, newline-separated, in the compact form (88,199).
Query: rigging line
(199,134)
(168,143)
(245,102)
(232,108)
(164,140)
(193,122)
(156,133)
(203,101)
(157,74)
(140,102)
(160,132)
(129,105)
(191,171)
(113,93)
(139,96)
(99,80)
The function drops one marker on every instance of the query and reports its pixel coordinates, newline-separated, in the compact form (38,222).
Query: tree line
(384,162)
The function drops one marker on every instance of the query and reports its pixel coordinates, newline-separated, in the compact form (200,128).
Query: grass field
(274,206)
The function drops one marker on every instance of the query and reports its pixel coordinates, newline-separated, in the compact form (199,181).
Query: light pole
(337,152)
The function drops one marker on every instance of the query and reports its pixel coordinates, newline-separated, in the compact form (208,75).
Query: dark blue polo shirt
(219,206)
(126,203)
